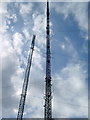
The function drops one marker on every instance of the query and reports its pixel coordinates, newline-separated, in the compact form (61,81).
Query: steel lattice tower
(48,96)
(25,84)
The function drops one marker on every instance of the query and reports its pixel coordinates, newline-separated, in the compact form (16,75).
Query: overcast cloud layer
(18,22)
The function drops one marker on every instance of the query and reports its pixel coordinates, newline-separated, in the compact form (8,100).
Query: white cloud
(18,42)
(70,92)
(37,58)
(68,47)
(39,28)
(5,18)
(13,17)
(10,63)
(26,33)
(70,87)
(39,22)
(3,15)
(10,67)
(62,46)
(78,10)
(3,28)
(25,8)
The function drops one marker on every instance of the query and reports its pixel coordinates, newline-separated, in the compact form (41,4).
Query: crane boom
(25,84)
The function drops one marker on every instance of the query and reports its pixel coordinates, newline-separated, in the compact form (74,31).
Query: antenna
(48,96)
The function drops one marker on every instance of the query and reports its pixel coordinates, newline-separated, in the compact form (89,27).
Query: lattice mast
(48,96)
(25,84)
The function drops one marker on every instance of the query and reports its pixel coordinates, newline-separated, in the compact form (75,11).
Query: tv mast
(48,93)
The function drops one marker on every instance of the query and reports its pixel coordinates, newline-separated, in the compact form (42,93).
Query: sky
(69,57)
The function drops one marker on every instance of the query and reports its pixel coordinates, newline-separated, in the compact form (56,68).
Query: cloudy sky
(69,53)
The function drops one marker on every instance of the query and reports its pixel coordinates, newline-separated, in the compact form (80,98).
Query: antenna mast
(48,96)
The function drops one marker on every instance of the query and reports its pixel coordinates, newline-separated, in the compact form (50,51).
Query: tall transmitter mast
(48,96)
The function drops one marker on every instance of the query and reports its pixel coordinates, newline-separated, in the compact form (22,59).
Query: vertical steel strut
(48,96)
(25,84)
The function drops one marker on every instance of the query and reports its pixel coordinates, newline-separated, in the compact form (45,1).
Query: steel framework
(25,84)
(48,93)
